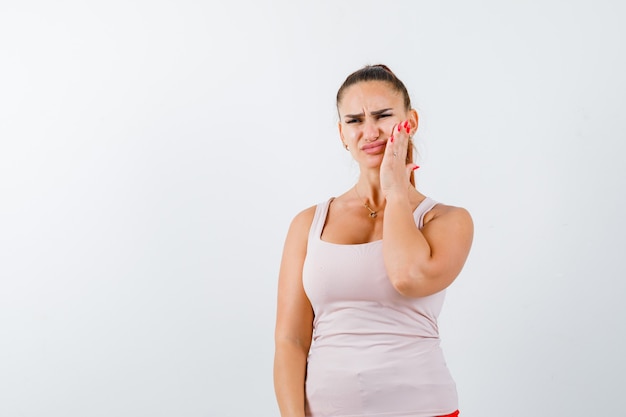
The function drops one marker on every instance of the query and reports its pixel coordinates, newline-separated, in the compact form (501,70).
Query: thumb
(410,168)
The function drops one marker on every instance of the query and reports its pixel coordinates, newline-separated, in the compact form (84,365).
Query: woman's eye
(383,115)
(352,121)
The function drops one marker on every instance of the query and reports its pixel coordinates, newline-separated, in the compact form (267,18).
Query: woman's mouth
(375,147)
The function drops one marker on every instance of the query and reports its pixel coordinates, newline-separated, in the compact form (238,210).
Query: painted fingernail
(399,126)
(391,138)
(406,124)
(415,167)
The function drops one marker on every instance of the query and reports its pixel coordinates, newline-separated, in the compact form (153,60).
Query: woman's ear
(413,120)
(339,127)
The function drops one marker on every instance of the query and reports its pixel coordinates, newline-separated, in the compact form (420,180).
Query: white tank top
(375,352)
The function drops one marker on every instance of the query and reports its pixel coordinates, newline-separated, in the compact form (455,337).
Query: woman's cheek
(389,124)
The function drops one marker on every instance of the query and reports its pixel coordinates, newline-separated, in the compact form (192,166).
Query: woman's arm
(294,320)
(418,262)
(423,262)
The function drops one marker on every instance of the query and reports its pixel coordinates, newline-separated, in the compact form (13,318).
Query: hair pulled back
(380,72)
(377,72)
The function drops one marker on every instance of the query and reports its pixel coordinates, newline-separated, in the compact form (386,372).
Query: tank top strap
(420,211)
(319,219)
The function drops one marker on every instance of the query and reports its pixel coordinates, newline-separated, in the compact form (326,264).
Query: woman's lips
(374,147)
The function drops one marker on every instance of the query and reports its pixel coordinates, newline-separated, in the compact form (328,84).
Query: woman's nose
(370,131)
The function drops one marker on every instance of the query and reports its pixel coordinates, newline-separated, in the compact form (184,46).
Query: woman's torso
(374,351)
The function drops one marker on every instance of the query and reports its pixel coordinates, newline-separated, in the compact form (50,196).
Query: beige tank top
(375,352)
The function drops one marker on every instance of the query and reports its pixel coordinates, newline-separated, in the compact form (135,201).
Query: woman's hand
(394,169)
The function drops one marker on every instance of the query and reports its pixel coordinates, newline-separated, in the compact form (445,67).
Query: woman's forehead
(368,94)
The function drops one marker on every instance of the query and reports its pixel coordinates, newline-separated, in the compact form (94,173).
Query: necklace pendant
(373,214)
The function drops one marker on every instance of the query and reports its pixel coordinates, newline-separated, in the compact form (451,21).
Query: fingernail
(391,138)
(415,167)
(406,124)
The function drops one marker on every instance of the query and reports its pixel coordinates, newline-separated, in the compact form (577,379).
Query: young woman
(363,275)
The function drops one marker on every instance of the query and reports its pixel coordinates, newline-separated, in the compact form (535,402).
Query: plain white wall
(152,155)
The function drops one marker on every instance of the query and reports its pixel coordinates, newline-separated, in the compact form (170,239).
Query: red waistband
(455,414)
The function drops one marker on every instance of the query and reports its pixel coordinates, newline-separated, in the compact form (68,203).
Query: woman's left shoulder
(448,213)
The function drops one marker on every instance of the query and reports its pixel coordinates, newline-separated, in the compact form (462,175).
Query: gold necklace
(373,213)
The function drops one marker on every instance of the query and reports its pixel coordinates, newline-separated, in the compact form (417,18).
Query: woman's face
(368,112)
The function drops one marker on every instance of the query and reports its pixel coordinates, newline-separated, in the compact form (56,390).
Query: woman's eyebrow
(373,113)
(379,112)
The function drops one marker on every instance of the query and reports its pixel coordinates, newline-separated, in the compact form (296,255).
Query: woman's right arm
(294,320)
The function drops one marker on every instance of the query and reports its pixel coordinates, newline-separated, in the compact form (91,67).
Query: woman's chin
(371,162)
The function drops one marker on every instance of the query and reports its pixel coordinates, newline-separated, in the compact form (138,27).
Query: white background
(153,153)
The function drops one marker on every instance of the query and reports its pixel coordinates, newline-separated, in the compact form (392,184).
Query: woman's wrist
(397,197)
